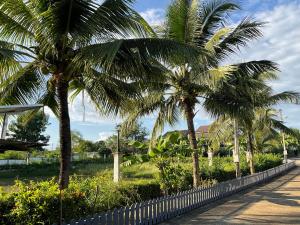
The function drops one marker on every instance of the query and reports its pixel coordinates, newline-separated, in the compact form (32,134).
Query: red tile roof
(202,129)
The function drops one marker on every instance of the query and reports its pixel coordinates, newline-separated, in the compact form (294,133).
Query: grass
(88,168)
(222,169)
(145,171)
(43,171)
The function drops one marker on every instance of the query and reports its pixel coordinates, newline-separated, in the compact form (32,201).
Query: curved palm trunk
(236,153)
(64,133)
(250,148)
(193,142)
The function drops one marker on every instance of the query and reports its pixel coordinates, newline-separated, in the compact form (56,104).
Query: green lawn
(222,169)
(81,168)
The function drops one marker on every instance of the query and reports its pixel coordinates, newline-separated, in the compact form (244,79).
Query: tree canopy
(30,130)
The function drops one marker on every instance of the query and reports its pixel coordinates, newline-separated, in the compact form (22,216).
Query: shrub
(6,205)
(223,168)
(173,177)
(13,155)
(144,189)
(39,202)
(266,161)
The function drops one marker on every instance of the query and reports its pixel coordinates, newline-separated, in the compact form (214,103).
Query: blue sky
(280,44)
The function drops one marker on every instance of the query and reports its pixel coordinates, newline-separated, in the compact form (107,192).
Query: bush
(39,202)
(13,155)
(173,177)
(266,161)
(146,190)
(223,168)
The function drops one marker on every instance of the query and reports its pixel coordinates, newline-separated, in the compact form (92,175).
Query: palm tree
(268,121)
(51,48)
(245,98)
(202,26)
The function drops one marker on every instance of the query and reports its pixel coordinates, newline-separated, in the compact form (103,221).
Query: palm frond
(213,15)
(182,21)
(246,31)
(22,87)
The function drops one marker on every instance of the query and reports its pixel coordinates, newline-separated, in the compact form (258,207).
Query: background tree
(203,25)
(51,48)
(136,132)
(76,138)
(31,130)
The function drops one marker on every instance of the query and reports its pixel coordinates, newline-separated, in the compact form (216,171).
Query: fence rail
(167,207)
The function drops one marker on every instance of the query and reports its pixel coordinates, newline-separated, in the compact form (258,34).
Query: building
(201,132)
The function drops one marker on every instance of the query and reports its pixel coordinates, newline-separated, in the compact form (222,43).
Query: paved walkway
(275,203)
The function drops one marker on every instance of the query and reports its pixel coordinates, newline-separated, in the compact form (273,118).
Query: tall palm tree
(245,99)
(205,26)
(49,48)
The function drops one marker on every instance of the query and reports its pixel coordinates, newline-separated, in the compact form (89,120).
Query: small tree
(137,132)
(31,130)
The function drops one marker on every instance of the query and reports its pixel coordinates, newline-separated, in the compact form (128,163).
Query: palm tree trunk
(236,153)
(64,133)
(193,142)
(250,151)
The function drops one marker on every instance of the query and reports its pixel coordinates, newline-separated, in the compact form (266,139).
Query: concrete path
(275,203)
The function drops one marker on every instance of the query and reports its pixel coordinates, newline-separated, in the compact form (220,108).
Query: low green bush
(266,161)
(13,155)
(145,189)
(174,178)
(223,168)
(39,202)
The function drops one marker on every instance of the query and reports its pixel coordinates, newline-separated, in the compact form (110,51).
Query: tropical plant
(203,25)
(50,48)
(245,98)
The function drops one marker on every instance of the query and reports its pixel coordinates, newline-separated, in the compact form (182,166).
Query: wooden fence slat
(126,215)
(142,213)
(154,211)
(151,211)
(109,218)
(131,212)
(121,216)
(115,217)
(137,214)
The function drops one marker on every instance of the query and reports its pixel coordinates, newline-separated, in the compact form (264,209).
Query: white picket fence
(20,161)
(32,160)
(161,209)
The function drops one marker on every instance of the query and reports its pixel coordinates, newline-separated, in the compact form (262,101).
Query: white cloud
(86,115)
(104,135)
(154,17)
(280,44)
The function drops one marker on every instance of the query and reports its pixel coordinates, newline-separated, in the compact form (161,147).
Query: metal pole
(236,153)
(283,141)
(118,140)
(117,158)
(4,126)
